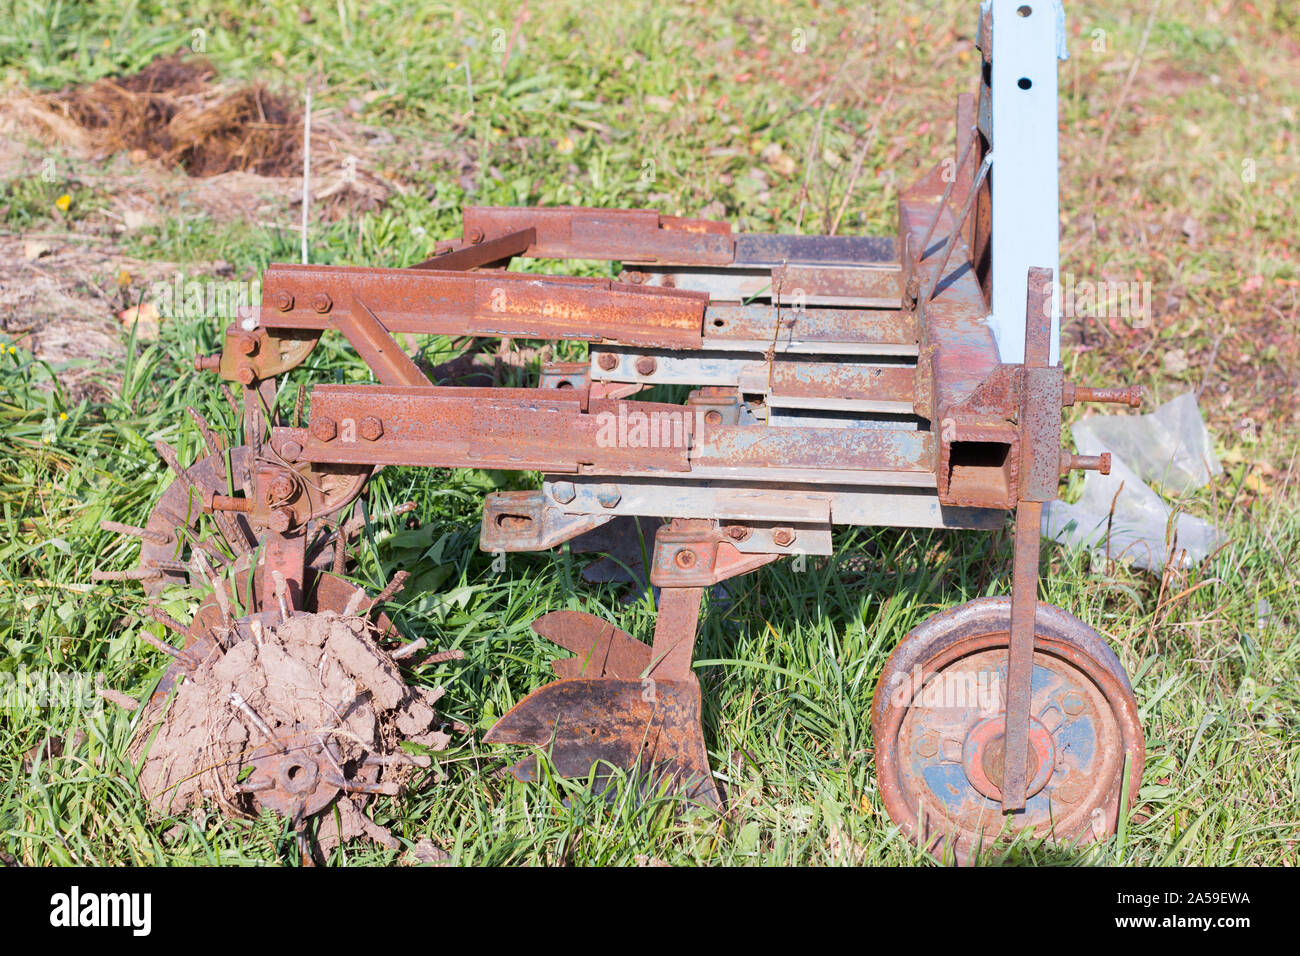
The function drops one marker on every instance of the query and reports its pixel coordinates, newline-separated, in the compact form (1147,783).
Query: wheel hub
(984,750)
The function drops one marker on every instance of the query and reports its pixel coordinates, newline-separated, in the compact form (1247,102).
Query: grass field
(1180,158)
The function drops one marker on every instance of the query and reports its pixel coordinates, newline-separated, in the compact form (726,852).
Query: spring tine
(281,594)
(161,564)
(398,759)
(385,789)
(174,653)
(237,701)
(165,619)
(297,405)
(407,650)
(443,656)
(230,397)
(394,586)
(209,437)
(134,574)
(354,525)
(256,787)
(168,454)
(340,555)
(157,537)
(218,589)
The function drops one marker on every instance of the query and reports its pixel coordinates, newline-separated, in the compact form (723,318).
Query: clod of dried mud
(315,679)
(175,113)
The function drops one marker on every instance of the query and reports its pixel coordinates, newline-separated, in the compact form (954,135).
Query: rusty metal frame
(836,380)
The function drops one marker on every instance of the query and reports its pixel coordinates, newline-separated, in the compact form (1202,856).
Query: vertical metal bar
(1020,669)
(674,641)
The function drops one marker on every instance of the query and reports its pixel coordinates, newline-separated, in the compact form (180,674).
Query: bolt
(246,343)
(207,363)
(291,451)
(685,558)
(783,537)
(229,503)
(738,532)
(636,278)
(321,302)
(283,301)
(563,492)
(1072,704)
(609,496)
(281,520)
(474,235)
(646,365)
(281,488)
(323,428)
(713,417)
(245,374)
(371,428)
(607,361)
(927,746)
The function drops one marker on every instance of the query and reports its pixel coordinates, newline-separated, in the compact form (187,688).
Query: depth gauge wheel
(938,718)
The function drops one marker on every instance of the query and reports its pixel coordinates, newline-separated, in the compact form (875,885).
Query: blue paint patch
(949,785)
(1078,740)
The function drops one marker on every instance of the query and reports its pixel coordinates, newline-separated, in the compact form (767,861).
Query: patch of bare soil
(59,297)
(300,719)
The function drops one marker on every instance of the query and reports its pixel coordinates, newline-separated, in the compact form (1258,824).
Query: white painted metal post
(1028,37)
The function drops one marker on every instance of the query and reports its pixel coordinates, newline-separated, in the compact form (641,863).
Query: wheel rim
(939,731)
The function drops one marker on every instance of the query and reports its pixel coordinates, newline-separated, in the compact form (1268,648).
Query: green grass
(590,102)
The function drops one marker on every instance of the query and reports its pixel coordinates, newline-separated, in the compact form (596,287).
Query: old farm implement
(909,380)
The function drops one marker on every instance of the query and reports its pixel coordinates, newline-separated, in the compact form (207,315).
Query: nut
(563,492)
(474,234)
(738,532)
(281,520)
(323,428)
(371,428)
(783,537)
(281,488)
(245,343)
(607,361)
(245,374)
(713,417)
(646,365)
(291,451)
(284,301)
(321,302)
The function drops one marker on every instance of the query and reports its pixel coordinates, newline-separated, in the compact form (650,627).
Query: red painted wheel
(938,719)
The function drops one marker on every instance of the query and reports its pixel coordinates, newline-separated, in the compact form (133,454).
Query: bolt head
(685,558)
(284,301)
(607,361)
(646,365)
(609,496)
(323,428)
(281,520)
(371,428)
(291,451)
(738,532)
(563,492)
(474,235)
(246,343)
(783,537)
(321,302)
(245,374)
(713,417)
